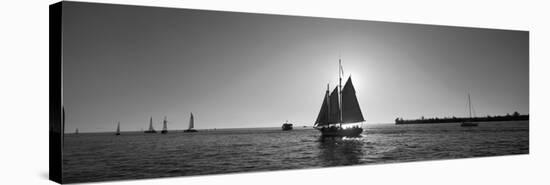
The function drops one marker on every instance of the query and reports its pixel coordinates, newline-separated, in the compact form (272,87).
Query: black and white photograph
(149,92)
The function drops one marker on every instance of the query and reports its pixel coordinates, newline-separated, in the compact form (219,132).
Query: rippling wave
(103,156)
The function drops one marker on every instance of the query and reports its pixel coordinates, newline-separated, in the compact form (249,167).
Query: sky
(240,70)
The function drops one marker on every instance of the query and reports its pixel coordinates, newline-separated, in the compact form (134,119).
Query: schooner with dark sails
(340,113)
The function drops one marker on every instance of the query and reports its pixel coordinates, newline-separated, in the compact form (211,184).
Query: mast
(62,112)
(118,128)
(340,90)
(328,105)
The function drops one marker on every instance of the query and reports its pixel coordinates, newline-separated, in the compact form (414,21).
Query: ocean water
(132,155)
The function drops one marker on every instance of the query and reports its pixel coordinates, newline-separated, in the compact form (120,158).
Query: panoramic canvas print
(146,92)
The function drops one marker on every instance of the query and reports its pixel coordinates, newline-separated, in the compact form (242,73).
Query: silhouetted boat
(164,127)
(118,129)
(76,131)
(469,122)
(151,129)
(287,126)
(340,112)
(191,124)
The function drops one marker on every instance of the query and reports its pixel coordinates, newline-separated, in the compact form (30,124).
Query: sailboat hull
(164,132)
(190,130)
(338,132)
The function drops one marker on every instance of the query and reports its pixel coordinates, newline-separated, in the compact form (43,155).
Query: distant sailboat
(191,124)
(118,129)
(340,108)
(287,126)
(76,131)
(164,127)
(151,129)
(469,122)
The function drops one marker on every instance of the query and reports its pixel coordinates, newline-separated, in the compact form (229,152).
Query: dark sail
(164,127)
(322,118)
(191,122)
(151,129)
(334,107)
(351,112)
(118,129)
(151,124)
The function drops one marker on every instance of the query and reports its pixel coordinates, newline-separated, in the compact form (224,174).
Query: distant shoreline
(202,130)
(514,117)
